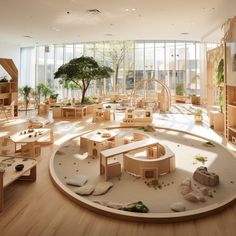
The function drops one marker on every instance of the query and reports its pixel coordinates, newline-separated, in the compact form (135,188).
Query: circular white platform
(68,162)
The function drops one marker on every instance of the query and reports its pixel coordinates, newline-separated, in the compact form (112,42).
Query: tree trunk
(83,95)
(116,78)
(26,105)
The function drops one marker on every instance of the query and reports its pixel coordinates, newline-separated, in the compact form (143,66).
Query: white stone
(177,206)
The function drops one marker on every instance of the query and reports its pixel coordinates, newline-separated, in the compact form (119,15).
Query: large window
(139,61)
(27,72)
(190,68)
(177,64)
(40,65)
(170,67)
(160,70)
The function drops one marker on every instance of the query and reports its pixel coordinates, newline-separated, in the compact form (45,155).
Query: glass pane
(180,69)
(190,68)
(68,52)
(50,67)
(79,50)
(89,50)
(129,65)
(41,62)
(27,67)
(170,66)
(139,61)
(149,60)
(197,78)
(160,61)
(58,63)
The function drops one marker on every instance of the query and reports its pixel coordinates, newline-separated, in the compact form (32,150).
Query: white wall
(12,52)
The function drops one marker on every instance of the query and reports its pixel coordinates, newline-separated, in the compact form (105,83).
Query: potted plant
(46,91)
(25,92)
(3,79)
(53,98)
(198,115)
(179,93)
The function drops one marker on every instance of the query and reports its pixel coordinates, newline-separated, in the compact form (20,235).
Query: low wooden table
(10,175)
(37,136)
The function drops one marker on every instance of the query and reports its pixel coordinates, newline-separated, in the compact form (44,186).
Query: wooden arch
(164,98)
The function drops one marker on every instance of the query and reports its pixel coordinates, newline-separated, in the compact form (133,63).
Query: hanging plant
(219,83)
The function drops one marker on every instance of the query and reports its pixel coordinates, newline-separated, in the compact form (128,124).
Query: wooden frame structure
(162,100)
(9,90)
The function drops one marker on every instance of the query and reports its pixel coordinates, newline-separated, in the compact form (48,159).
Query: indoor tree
(45,91)
(39,89)
(82,71)
(25,92)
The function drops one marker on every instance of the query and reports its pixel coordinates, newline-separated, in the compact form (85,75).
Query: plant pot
(198,118)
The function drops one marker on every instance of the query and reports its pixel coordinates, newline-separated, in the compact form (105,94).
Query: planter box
(198,119)
(216,120)
(195,100)
(180,98)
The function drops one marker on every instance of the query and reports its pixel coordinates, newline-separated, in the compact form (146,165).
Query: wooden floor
(40,209)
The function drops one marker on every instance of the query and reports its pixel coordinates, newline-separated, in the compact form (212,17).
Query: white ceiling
(48,22)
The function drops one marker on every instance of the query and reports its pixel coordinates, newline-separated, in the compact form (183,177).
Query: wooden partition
(9,90)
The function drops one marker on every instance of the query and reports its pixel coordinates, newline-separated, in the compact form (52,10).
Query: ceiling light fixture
(133,9)
(93,11)
(185,33)
(109,35)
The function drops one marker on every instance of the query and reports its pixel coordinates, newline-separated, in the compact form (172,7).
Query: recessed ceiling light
(109,35)
(127,9)
(133,9)
(184,33)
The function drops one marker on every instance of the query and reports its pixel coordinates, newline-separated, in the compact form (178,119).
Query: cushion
(194,197)
(78,181)
(102,188)
(85,190)
(177,206)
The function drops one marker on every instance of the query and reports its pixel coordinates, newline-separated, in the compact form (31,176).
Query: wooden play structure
(157,160)
(9,90)
(137,117)
(94,142)
(150,162)
(230,79)
(151,93)
(101,114)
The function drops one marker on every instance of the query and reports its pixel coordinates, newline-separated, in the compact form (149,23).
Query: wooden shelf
(233,128)
(9,90)
(231,106)
(4,95)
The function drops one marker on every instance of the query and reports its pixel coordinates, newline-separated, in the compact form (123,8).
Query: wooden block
(113,170)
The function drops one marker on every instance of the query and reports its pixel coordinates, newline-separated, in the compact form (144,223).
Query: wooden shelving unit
(9,90)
